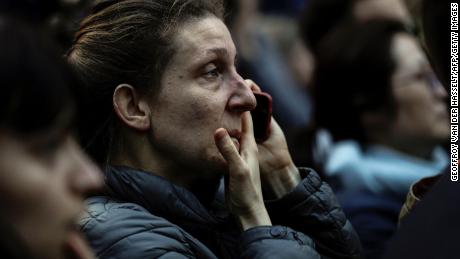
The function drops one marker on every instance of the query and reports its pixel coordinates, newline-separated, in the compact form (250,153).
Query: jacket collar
(160,197)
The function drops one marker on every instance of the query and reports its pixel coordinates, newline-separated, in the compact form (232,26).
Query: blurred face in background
(422,115)
(43,181)
(301,63)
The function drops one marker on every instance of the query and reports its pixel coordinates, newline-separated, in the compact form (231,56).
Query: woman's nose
(440,90)
(242,98)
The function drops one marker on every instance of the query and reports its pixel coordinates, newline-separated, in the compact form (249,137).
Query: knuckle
(242,173)
(245,170)
(251,150)
(227,149)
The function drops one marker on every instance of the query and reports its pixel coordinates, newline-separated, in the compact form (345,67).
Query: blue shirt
(379,170)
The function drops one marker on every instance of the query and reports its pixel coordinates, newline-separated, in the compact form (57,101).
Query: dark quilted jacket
(146,216)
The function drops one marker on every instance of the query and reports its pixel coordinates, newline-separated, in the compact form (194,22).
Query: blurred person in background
(167,117)
(377,95)
(284,33)
(44,176)
(321,17)
(431,229)
(59,18)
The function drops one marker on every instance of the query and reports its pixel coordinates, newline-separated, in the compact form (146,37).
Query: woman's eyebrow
(218,51)
(215,52)
(222,52)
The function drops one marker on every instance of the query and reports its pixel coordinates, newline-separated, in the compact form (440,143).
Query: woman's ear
(132,110)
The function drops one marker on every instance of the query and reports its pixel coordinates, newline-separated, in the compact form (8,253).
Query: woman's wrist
(254,219)
(281,181)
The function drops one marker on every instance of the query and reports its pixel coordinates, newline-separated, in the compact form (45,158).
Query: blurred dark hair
(436,29)
(35,80)
(131,42)
(353,77)
(320,17)
(59,18)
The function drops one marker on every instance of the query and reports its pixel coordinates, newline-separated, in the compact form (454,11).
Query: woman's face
(421,111)
(43,180)
(200,92)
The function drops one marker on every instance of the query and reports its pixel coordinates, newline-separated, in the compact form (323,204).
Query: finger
(247,127)
(274,124)
(226,147)
(253,86)
(248,150)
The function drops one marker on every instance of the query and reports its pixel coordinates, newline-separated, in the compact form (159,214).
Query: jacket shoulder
(313,209)
(127,230)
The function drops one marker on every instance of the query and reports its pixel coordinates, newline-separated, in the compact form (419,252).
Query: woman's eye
(48,151)
(51,146)
(48,148)
(211,71)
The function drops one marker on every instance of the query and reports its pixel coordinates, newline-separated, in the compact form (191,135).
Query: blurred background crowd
(360,88)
